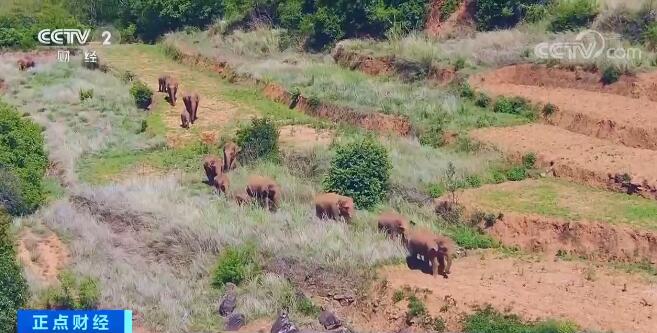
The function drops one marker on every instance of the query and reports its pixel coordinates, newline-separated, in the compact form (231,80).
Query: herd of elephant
(169,85)
(435,250)
(25,63)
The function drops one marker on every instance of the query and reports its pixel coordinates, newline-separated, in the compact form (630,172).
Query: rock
(235,321)
(229,302)
(344,299)
(329,320)
(283,324)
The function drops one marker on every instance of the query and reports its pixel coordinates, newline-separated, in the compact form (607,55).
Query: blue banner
(96,321)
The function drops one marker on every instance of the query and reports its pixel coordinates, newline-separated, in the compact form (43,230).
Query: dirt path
(593,297)
(575,156)
(43,255)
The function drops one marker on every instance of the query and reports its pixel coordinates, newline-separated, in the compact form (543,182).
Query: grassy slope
(562,199)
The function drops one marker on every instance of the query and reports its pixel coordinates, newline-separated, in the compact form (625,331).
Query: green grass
(488,320)
(561,199)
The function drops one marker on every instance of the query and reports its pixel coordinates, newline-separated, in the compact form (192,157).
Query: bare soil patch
(44,255)
(579,157)
(594,297)
(623,112)
(304,137)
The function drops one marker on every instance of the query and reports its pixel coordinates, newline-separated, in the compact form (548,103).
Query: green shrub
(14,291)
(448,8)
(459,63)
(549,109)
(258,140)
(398,296)
(488,320)
(306,307)
(235,264)
(86,94)
(500,14)
(434,136)
(573,14)
(650,36)
(22,162)
(610,74)
(535,13)
(465,90)
(360,170)
(128,76)
(142,94)
(482,100)
(473,181)
(436,190)
(529,160)
(438,325)
(498,176)
(10,37)
(516,174)
(73,293)
(416,308)
(512,105)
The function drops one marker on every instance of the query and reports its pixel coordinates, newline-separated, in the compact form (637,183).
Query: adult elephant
(191,104)
(230,156)
(172,90)
(435,250)
(334,206)
(394,224)
(265,190)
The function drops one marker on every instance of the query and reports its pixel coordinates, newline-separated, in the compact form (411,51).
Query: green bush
(529,160)
(488,320)
(573,14)
(73,293)
(448,8)
(416,308)
(86,94)
(482,100)
(360,170)
(434,136)
(514,105)
(610,74)
(516,174)
(549,109)
(142,94)
(398,296)
(235,264)
(500,14)
(469,238)
(650,36)
(473,181)
(13,290)
(22,162)
(258,140)
(436,190)
(535,13)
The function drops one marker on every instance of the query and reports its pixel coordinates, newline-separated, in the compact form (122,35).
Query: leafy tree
(573,14)
(360,170)
(500,14)
(22,161)
(13,287)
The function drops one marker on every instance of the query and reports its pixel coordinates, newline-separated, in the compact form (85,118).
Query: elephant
(242,198)
(230,156)
(185,119)
(212,167)
(334,206)
(283,324)
(162,83)
(172,90)
(394,224)
(191,104)
(435,250)
(25,63)
(265,190)
(221,183)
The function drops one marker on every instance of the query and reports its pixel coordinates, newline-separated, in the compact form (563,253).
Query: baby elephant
(436,250)
(185,119)
(221,183)
(212,167)
(25,63)
(162,83)
(394,224)
(230,156)
(334,206)
(265,190)
(242,198)
(191,105)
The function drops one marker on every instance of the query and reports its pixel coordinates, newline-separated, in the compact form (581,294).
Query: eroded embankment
(578,157)
(623,112)
(371,120)
(594,240)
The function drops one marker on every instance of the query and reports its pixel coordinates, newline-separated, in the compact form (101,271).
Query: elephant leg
(436,267)
(335,212)
(448,264)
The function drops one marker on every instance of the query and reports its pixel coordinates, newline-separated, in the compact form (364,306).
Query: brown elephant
(25,63)
(191,104)
(436,250)
(212,167)
(394,224)
(185,119)
(221,183)
(172,90)
(230,156)
(162,83)
(265,190)
(334,206)
(242,198)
